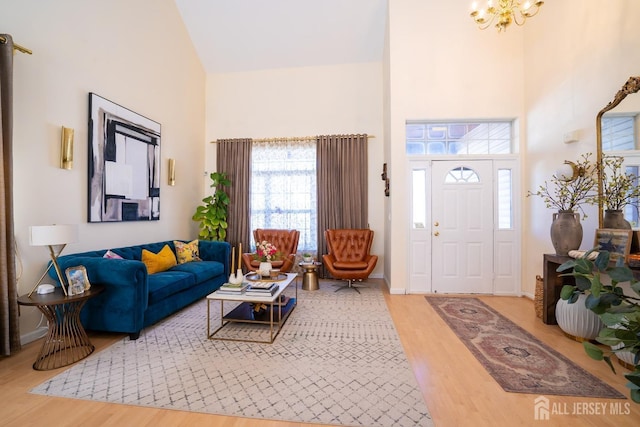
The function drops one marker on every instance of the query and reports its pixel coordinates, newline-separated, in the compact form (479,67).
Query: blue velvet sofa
(134,299)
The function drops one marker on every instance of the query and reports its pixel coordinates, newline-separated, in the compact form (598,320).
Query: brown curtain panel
(342,184)
(234,159)
(9,326)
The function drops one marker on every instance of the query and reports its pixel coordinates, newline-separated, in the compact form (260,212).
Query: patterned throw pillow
(187,252)
(163,260)
(111,255)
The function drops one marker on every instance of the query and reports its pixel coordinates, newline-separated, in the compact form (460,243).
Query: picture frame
(124,164)
(77,280)
(616,241)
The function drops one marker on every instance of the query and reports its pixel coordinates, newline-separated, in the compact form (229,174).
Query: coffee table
(275,316)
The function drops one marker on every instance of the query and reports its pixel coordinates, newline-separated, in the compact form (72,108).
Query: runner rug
(517,360)
(338,360)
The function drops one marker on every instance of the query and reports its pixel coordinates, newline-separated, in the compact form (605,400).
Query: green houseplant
(619,312)
(212,214)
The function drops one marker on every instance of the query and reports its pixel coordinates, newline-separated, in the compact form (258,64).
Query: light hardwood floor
(457,389)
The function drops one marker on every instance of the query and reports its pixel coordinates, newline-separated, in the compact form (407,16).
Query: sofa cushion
(187,252)
(164,284)
(202,270)
(163,260)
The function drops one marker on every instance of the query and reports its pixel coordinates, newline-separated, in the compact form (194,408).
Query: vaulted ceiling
(246,35)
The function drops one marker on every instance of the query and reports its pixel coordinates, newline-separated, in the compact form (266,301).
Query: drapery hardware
(298,138)
(16,46)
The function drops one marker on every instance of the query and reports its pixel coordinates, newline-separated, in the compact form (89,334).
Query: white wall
(442,67)
(578,55)
(135,53)
(303,102)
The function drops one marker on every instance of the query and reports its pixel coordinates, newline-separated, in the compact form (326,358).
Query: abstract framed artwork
(616,241)
(124,164)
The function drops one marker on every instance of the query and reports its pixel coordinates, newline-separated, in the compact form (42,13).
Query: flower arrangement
(619,188)
(266,252)
(571,193)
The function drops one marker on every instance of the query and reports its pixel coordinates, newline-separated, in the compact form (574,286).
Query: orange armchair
(286,241)
(349,256)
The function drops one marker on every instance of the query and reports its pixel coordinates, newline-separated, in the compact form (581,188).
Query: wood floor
(456,388)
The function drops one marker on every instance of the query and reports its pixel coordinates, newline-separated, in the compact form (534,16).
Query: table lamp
(53,235)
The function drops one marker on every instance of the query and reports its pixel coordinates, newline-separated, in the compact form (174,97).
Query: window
(461,175)
(618,133)
(283,189)
(505,199)
(458,138)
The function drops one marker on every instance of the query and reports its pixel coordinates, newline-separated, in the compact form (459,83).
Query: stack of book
(262,289)
(233,289)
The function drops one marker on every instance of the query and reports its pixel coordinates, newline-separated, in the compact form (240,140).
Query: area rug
(517,360)
(338,360)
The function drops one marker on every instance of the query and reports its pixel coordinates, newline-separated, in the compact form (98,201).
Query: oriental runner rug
(517,360)
(338,360)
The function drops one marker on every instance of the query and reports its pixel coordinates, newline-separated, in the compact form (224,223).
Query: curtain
(9,322)
(234,159)
(342,184)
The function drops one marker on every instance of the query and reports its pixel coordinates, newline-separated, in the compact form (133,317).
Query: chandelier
(506,12)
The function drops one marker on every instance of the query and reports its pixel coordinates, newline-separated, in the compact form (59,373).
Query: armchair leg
(348,285)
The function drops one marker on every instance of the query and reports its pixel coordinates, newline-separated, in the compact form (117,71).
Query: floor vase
(566,232)
(577,321)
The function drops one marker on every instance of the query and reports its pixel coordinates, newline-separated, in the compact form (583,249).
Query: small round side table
(66,341)
(310,275)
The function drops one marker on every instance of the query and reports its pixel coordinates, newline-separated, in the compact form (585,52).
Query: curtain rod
(16,46)
(293,138)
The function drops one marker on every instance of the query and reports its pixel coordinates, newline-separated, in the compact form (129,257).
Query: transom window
(458,138)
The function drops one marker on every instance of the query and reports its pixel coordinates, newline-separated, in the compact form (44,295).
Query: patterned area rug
(338,360)
(517,360)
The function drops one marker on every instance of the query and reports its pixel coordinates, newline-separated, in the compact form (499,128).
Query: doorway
(464,236)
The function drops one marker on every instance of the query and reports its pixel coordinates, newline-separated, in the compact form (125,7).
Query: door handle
(436,223)
(437,233)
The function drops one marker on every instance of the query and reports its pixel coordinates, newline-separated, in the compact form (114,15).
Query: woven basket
(537,300)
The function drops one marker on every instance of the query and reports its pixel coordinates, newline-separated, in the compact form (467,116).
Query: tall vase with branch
(619,190)
(568,193)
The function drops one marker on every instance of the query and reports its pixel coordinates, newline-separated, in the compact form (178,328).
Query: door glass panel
(461,175)
(419,198)
(505,199)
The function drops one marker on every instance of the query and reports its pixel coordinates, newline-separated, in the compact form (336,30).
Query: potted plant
(619,311)
(619,189)
(568,194)
(212,214)
(307,257)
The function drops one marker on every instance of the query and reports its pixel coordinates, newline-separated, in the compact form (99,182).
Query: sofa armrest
(126,277)
(211,250)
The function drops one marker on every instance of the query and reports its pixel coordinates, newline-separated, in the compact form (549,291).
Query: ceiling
(247,35)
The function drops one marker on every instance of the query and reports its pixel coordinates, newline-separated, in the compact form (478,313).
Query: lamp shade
(49,235)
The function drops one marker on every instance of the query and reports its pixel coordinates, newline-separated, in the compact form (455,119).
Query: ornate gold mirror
(630,87)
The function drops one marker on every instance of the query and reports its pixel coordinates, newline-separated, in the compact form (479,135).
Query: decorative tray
(255,277)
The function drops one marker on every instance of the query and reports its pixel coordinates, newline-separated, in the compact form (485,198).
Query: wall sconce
(66,149)
(172,172)
(569,171)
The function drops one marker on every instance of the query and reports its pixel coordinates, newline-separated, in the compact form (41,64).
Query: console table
(553,284)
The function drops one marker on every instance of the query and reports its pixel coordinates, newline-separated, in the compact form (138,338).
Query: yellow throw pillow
(187,252)
(163,260)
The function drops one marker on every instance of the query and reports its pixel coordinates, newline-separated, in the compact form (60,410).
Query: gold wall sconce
(66,148)
(172,172)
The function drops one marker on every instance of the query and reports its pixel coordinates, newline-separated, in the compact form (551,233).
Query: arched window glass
(461,175)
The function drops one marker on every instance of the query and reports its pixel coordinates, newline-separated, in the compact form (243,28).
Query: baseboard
(33,335)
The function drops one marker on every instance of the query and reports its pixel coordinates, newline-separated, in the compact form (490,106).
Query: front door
(462,226)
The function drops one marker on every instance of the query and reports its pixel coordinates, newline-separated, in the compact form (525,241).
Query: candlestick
(233,259)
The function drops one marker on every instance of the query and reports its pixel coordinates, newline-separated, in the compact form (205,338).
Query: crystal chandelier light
(504,13)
